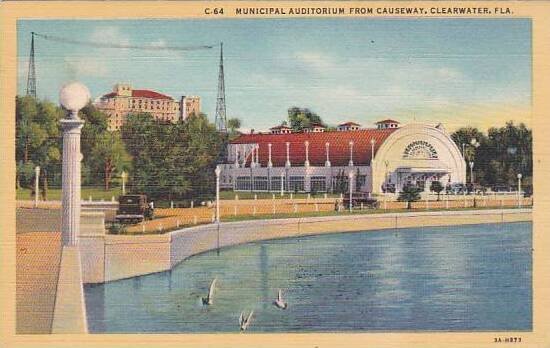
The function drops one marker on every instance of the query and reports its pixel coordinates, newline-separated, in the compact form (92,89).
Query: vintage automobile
(134,209)
(358,199)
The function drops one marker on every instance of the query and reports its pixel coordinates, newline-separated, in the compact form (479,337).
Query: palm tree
(409,193)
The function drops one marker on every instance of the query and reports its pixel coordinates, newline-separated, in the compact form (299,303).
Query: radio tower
(221,122)
(31,78)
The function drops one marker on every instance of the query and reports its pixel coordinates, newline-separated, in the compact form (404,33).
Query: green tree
(302,118)
(436,187)
(234,124)
(409,193)
(108,156)
(38,137)
(172,160)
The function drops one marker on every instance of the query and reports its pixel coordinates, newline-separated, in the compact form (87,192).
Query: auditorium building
(380,159)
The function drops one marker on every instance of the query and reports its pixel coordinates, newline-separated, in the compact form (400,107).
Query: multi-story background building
(124,100)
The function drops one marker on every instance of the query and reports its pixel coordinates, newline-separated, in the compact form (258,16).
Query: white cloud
(109,35)
(86,66)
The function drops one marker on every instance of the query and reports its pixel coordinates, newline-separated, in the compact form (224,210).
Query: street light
(218,171)
(124,176)
(350,191)
(471,172)
(36,185)
(73,97)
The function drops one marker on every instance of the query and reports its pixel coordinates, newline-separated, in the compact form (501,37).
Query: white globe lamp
(73,97)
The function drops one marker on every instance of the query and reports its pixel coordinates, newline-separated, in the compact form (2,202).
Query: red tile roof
(387,121)
(141,93)
(144,93)
(339,146)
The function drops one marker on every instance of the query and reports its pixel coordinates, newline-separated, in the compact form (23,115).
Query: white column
(36,185)
(269,163)
(287,164)
(351,153)
(70,218)
(253,157)
(257,155)
(243,152)
(306,163)
(236,156)
(327,147)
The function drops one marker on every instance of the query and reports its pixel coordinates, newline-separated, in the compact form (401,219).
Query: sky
(460,72)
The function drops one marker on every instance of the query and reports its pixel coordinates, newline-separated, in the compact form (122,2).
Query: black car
(359,198)
(133,209)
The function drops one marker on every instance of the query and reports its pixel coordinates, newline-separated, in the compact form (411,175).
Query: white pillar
(351,153)
(70,218)
(236,156)
(269,163)
(257,155)
(253,157)
(287,164)
(306,163)
(36,185)
(327,148)
(243,152)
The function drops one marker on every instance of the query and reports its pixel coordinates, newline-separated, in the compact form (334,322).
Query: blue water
(458,278)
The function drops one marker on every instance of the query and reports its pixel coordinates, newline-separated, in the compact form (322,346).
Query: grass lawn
(344,212)
(54,194)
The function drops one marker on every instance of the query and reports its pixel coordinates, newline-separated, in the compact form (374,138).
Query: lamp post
(73,97)
(327,149)
(36,185)
(218,171)
(350,191)
(282,184)
(124,176)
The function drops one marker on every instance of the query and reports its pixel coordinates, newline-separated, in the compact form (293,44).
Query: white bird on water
(245,322)
(210,298)
(279,302)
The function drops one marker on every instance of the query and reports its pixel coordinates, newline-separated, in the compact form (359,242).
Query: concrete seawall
(112,257)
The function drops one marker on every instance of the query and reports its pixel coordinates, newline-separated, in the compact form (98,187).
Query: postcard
(273,174)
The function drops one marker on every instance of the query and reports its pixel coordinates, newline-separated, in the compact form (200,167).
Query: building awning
(422,170)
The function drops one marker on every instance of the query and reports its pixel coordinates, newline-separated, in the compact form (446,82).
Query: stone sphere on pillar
(74,96)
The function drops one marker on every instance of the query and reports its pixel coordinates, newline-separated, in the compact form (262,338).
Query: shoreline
(112,257)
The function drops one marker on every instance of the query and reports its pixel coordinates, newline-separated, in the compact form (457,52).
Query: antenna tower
(31,78)
(221,121)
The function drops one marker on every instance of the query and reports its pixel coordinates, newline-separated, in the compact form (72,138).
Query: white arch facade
(417,154)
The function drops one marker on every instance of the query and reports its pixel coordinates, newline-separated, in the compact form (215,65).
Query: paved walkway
(38,259)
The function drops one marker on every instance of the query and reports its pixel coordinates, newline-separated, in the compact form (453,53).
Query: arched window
(420,149)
